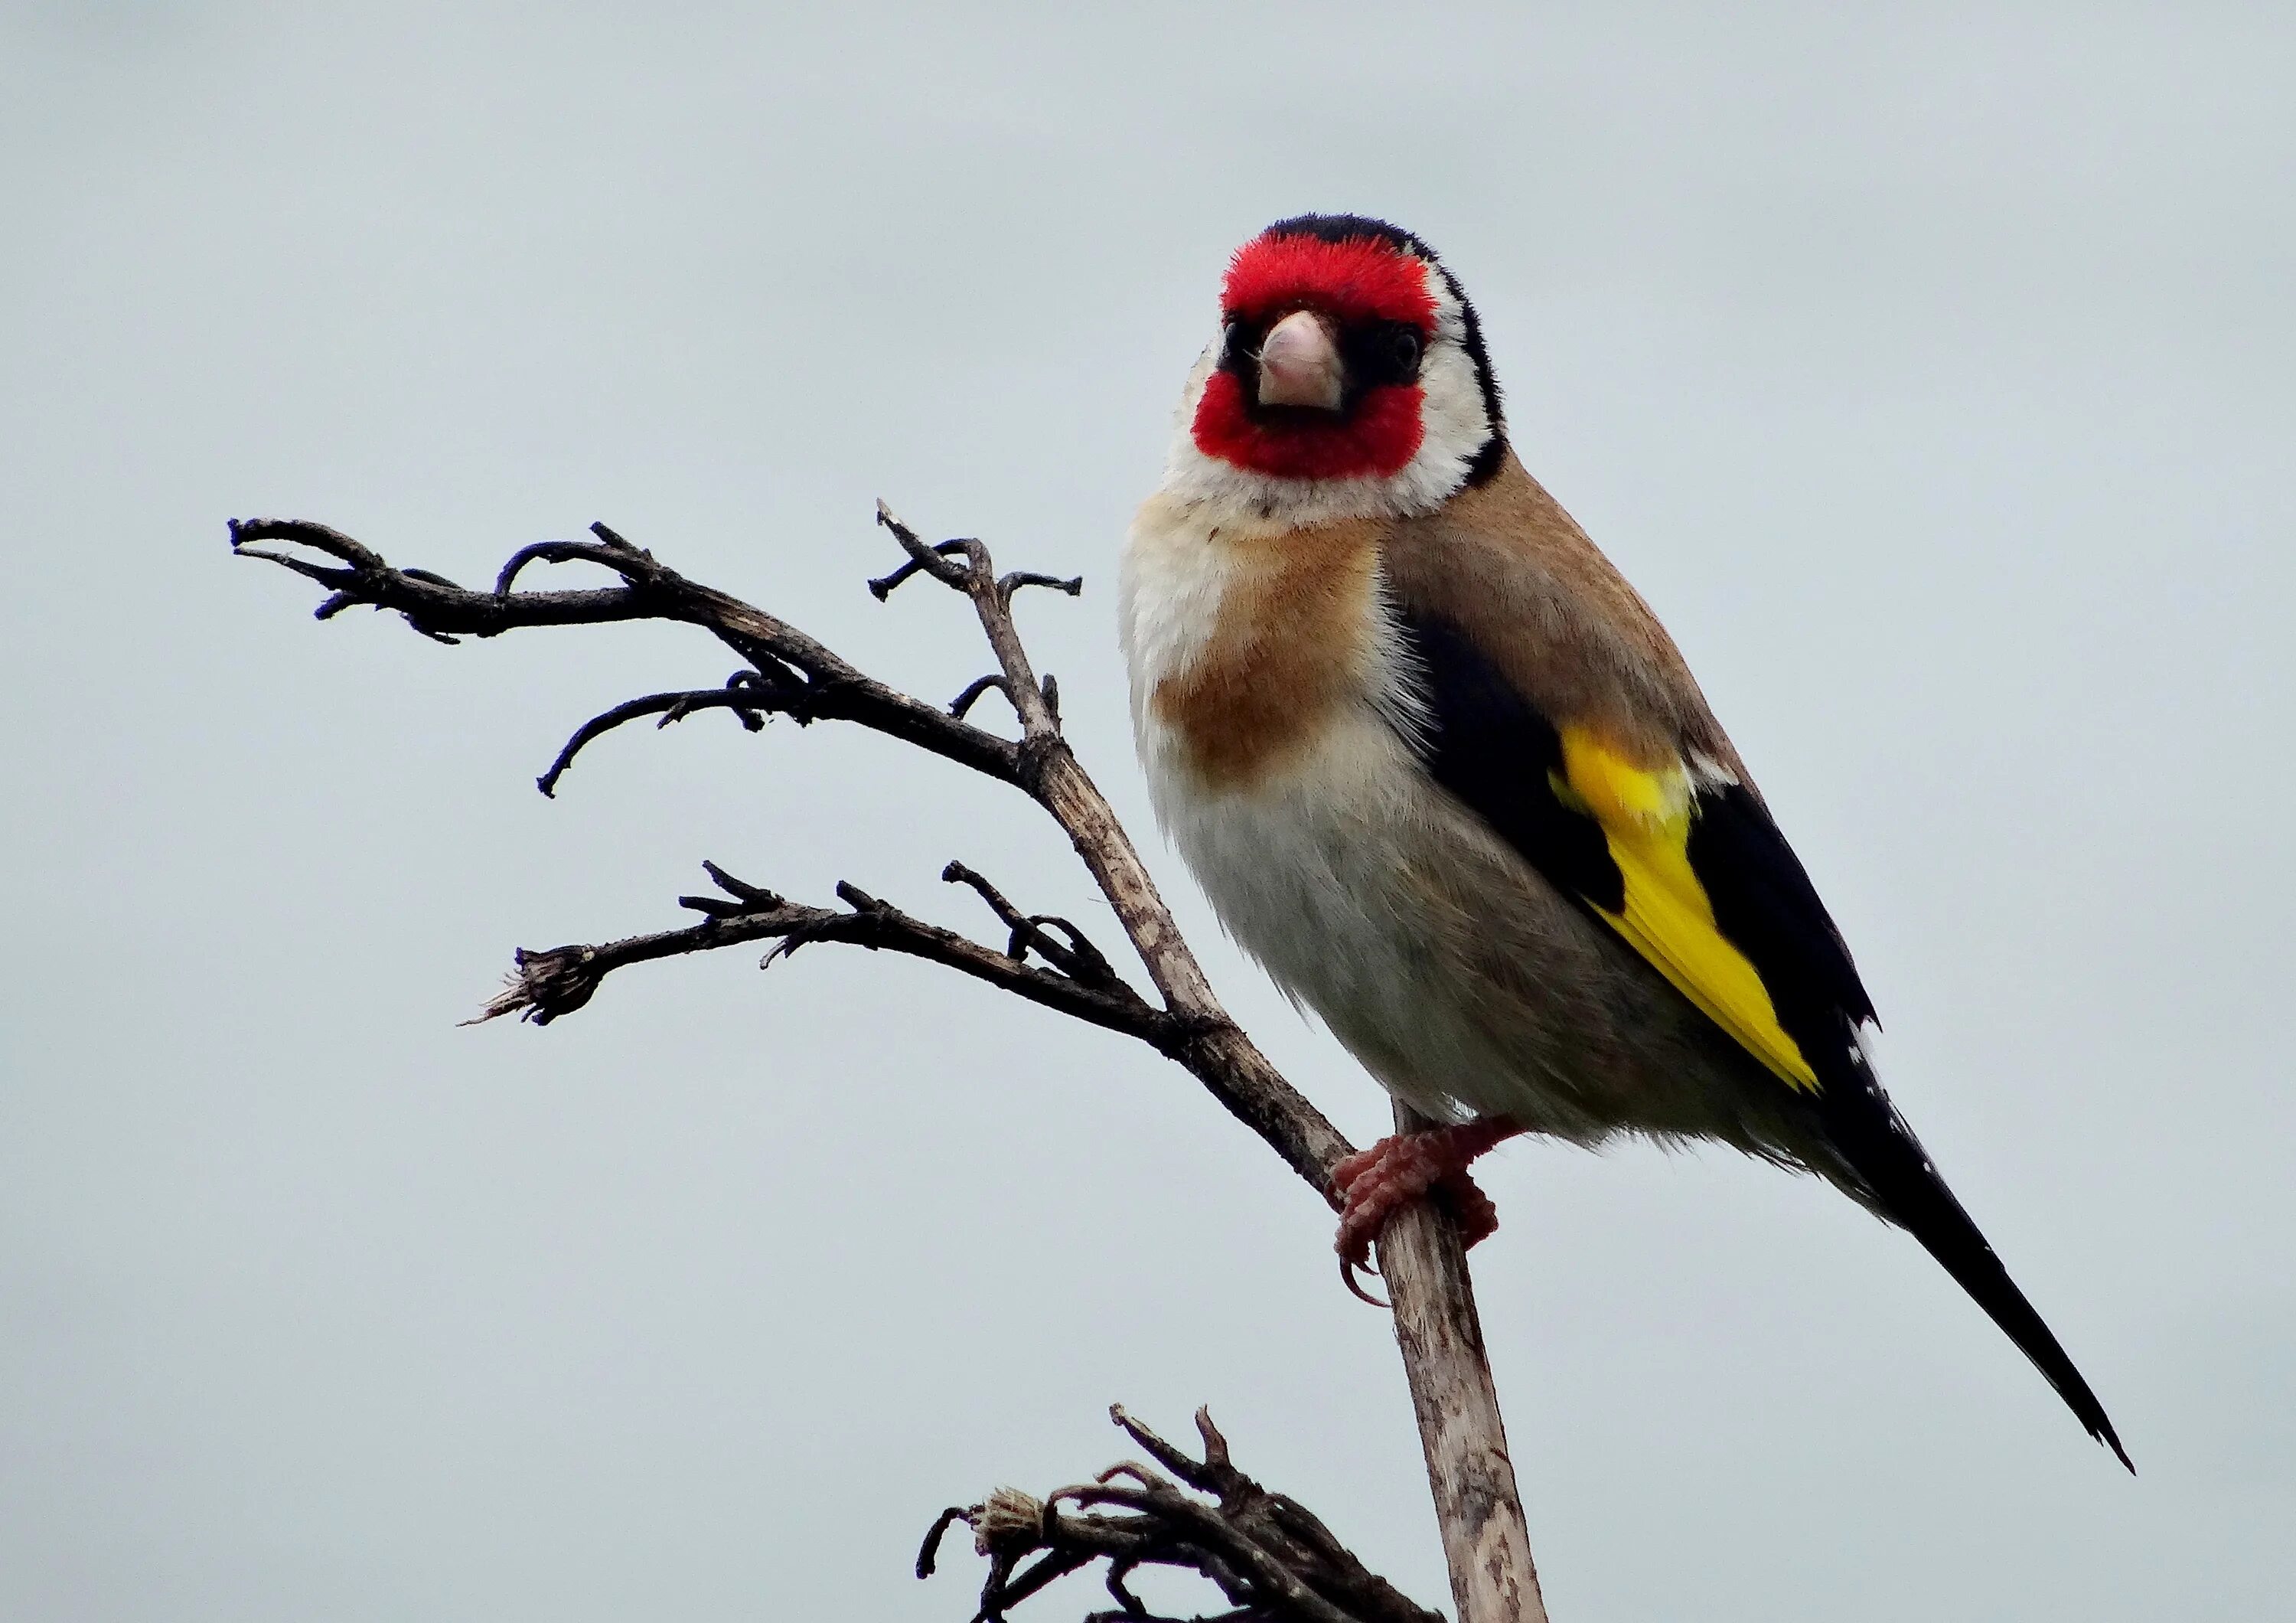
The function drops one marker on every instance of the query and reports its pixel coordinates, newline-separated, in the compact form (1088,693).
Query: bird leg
(1373,1184)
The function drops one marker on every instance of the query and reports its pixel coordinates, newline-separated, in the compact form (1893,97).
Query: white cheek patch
(1455,416)
(1455,422)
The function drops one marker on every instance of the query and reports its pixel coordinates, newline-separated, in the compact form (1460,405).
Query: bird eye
(1406,345)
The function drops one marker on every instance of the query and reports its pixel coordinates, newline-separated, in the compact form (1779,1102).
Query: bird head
(1349,379)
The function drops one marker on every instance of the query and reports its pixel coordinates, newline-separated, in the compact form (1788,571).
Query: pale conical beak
(1299,365)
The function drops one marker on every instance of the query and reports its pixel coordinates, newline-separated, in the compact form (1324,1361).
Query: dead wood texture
(1047,960)
(1273,1559)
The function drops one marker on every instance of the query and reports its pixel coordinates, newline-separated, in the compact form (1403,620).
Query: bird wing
(1552,705)
(1666,847)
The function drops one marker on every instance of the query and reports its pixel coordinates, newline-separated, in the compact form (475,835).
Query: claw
(1348,1268)
(1373,1184)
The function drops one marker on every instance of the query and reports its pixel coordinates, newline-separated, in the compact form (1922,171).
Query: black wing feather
(1489,745)
(1765,905)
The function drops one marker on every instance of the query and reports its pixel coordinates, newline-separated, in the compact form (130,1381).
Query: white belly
(1323,874)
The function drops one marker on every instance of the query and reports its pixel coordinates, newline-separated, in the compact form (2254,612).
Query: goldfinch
(1443,774)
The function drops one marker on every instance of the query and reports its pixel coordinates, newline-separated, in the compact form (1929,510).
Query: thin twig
(971,696)
(557,981)
(836,690)
(746,694)
(1077,957)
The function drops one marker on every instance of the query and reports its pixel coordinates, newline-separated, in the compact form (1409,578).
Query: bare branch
(1077,957)
(834,690)
(1271,1559)
(938,561)
(624,560)
(1421,1259)
(746,693)
(1202,1036)
(1007,585)
(883,587)
(964,702)
(546,984)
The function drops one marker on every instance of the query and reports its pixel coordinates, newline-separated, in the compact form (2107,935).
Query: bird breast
(1272,702)
(1248,646)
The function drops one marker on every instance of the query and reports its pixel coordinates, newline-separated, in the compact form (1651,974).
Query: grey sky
(1933,375)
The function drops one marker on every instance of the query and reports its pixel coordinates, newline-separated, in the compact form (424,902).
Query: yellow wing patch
(1668,918)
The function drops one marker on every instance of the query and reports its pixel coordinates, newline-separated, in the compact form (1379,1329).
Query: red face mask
(1357,285)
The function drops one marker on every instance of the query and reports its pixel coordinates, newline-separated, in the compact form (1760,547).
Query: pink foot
(1373,1184)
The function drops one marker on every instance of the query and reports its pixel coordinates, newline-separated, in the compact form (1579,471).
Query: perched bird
(1443,774)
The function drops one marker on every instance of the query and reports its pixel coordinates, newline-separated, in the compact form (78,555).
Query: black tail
(1905,1189)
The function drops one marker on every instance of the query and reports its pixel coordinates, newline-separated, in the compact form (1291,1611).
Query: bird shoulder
(1506,567)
